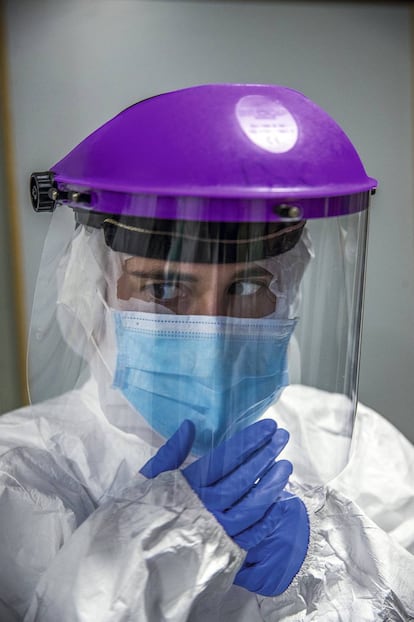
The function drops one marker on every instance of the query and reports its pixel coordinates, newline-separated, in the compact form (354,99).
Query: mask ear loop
(94,341)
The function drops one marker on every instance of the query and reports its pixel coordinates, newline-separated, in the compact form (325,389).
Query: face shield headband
(194,241)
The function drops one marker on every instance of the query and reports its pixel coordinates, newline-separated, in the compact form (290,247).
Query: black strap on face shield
(193,241)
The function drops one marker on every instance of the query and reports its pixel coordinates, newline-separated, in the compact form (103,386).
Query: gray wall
(74,64)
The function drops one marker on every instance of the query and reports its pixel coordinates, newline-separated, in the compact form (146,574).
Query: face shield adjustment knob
(288,212)
(43,192)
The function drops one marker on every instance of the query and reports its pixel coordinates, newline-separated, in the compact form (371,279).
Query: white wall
(76,63)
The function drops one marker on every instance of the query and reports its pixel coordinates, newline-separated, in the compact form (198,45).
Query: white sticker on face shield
(267,123)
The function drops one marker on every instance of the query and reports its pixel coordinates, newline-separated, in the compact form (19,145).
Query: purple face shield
(246,202)
(232,153)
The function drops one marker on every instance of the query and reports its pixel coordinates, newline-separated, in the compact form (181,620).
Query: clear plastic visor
(222,326)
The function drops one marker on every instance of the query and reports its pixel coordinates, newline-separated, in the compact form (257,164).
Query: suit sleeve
(147,553)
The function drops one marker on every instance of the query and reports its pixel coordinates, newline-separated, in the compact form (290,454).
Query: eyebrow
(164,275)
(253,271)
(177,275)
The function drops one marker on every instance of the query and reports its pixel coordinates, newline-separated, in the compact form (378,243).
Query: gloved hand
(271,565)
(239,481)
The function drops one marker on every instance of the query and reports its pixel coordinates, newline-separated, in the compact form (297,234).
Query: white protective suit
(85,537)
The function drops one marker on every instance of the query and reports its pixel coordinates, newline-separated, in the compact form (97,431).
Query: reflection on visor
(192,241)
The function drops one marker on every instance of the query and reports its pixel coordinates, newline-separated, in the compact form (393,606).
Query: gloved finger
(251,578)
(171,455)
(273,574)
(244,479)
(258,501)
(267,524)
(292,532)
(253,575)
(230,454)
(268,489)
(235,486)
(270,566)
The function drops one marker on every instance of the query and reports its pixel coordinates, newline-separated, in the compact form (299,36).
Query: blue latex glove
(172,454)
(271,565)
(239,481)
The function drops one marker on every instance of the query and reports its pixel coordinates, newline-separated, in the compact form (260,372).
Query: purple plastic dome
(237,152)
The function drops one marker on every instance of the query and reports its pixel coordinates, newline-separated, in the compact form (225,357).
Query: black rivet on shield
(287,211)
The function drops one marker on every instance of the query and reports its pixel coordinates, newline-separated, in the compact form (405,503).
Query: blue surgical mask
(222,373)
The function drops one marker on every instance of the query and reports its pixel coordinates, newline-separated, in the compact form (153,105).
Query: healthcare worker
(192,450)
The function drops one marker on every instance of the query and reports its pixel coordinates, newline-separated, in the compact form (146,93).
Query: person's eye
(162,291)
(246,288)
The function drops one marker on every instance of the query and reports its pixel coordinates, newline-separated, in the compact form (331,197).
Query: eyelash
(148,286)
(257,285)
